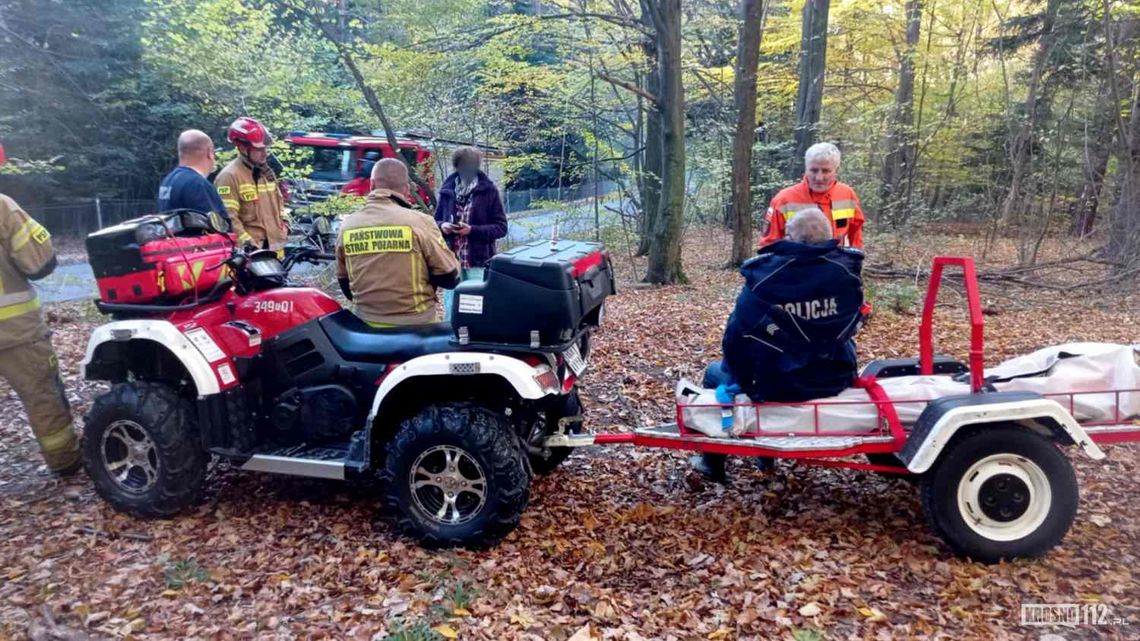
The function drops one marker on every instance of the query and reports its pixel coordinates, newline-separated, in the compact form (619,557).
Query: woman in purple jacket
(470,214)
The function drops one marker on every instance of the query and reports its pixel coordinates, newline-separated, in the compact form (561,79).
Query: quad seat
(358,341)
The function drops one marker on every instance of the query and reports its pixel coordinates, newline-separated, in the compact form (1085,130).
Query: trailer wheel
(454,476)
(142,450)
(551,458)
(1001,493)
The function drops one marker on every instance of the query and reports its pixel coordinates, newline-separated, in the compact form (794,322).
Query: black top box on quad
(537,295)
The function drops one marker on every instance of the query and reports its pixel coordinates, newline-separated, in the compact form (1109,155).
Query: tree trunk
(1123,67)
(1097,149)
(652,169)
(1106,123)
(900,144)
(665,233)
(744,92)
(1024,135)
(809,96)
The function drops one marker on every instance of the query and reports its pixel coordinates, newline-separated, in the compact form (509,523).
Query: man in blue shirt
(186,187)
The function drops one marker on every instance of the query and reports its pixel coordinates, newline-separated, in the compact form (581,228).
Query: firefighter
(819,188)
(27,360)
(391,258)
(248,187)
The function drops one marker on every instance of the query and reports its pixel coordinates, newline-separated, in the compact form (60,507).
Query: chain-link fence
(519,200)
(77,219)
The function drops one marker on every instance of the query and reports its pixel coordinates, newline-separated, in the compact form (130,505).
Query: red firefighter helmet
(249,132)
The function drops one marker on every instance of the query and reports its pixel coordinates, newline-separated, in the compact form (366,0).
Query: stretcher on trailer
(993,479)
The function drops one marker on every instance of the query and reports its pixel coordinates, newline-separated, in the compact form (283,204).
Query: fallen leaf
(810,610)
(446,631)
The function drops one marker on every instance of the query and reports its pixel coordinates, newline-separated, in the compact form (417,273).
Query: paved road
(77,281)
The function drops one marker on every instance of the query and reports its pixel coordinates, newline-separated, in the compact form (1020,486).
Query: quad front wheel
(142,450)
(1001,493)
(454,475)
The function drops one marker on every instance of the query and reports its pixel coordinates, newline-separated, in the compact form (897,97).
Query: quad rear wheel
(567,406)
(1001,493)
(454,476)
(142,450)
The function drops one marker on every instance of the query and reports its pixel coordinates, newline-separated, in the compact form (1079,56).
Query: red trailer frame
(818,448)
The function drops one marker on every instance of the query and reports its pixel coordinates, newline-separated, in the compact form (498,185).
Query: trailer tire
(568,405)
(142,450)
(1001,493)
(454,476)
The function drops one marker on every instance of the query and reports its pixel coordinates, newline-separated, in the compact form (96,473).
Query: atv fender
(943,418)
(165,334)
(518,374)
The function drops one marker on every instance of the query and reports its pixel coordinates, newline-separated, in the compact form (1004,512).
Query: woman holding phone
(470,214)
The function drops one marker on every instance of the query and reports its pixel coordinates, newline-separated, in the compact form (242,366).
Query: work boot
(711,466)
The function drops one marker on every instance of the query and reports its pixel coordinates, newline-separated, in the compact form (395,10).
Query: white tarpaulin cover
(1061,369)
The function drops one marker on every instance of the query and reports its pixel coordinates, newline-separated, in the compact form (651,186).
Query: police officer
(789,338)
(249,191)
(821,189)
(27,360)
(391,258)
(186,187)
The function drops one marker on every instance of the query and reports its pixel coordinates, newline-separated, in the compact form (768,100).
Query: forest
(1003,131)
(1016,117)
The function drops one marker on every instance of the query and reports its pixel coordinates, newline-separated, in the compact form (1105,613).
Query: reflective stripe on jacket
(25,254)
(254,203)
(838,203)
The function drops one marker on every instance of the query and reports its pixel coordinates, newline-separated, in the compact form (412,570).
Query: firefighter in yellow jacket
(27,361)
(249,190)
(390,258)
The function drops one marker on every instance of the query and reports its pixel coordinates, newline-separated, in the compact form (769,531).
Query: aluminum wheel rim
(130,457)
(971,498)
(448,485)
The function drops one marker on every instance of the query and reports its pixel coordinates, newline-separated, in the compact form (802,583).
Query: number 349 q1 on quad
(210,352)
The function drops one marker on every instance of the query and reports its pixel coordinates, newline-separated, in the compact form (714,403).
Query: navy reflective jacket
(790,336)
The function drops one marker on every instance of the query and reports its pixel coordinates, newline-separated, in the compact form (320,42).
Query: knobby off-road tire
(568,405)
(1001,493)
(454,476)
(142,450)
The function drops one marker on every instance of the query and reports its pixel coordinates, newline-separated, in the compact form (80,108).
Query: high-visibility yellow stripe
(26,232)
(59,439)
(417,303)
(230,202)
(19,309)
(268,187)
(379,325)
(840,214)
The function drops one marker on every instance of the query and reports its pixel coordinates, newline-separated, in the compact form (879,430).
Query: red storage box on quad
(157,258)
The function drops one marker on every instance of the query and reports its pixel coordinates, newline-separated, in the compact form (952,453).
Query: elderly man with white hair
(822,190)
(790,336)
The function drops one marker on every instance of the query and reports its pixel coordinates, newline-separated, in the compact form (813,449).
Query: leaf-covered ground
(617,544)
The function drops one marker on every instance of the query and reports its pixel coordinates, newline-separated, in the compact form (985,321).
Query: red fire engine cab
(341,163)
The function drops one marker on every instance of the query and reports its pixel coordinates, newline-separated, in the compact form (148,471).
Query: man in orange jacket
(819,188)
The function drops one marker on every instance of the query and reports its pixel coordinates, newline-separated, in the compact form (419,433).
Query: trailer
(989,466)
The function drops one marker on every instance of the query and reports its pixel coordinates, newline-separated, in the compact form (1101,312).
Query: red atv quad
(214,354)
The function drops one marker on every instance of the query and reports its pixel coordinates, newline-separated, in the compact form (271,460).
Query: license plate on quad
(573,358)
